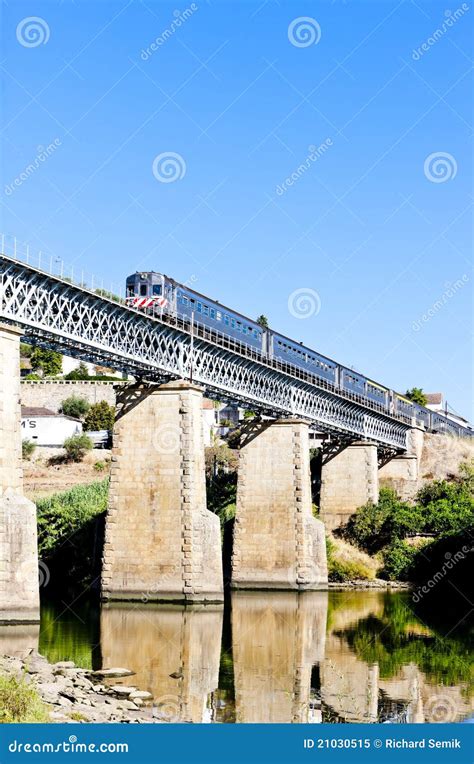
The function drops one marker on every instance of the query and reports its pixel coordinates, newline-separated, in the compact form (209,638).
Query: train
(159,295)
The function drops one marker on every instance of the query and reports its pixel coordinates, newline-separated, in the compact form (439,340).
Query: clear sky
(376,230)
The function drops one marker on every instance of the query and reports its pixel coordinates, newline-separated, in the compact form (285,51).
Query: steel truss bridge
(54,313)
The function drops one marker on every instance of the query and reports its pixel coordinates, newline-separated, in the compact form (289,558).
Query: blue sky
(366,226)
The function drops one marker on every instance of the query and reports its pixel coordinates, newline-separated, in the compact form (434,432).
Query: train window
(239,326)
(199,307)
(130,290)
(226,319)
(212,312)
(244,329)
(156,288)
(219,315)
(184,300)
(205,310)
(143,290)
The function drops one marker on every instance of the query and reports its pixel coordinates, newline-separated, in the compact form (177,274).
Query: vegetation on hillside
(443,511)
(70,533)
(76,447)
(20,702)
(46,363)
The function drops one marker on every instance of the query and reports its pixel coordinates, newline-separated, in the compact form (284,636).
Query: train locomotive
(160,295)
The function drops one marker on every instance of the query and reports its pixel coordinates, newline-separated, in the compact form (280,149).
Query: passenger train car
(158,294)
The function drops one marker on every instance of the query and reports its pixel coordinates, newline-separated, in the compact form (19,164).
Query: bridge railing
(55,266)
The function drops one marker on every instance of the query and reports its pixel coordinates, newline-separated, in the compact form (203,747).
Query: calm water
(271,657)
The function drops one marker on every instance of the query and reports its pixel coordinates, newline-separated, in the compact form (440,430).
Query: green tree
(76,447)
(25,350)
(48,362)
(75,406)
(100,417)
(80,373)
(262,321)
(27,448)
(417,395)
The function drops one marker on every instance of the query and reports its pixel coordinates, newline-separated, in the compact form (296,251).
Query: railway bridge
(161,541)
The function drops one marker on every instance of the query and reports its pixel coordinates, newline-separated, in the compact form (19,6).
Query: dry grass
(347,563)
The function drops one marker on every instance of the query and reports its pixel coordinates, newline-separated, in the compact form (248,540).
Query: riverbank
(70,694)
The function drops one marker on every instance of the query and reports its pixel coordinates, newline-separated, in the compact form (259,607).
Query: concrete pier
(278,544)
(348,480)
(161,542)
(19,588)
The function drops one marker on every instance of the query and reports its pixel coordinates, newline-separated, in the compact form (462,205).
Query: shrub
(81,372)
(100,417)
(100,466)
(33,377)
(20,702)
(398,560)
(76,447)
(75,406)
(27,448)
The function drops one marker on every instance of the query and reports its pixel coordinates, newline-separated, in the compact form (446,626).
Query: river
(353,656)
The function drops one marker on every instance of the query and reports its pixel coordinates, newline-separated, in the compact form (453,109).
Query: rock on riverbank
(74,694)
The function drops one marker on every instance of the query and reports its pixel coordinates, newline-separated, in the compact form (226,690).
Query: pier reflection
(278,643)
(174,652)
(19,639)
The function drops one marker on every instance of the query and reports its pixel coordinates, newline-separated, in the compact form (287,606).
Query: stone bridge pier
(278,544)
(161,543)
(19,588)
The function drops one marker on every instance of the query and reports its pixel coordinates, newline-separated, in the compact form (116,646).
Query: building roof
(40,411)
(434,398)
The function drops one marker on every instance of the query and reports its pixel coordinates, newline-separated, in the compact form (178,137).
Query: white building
(435,402)
(45,428)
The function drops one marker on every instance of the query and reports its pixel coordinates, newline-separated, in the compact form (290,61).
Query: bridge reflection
(270,657)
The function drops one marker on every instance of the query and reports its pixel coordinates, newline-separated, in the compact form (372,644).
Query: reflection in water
(18,639)
(174,652)
(359,656)
(278,637)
